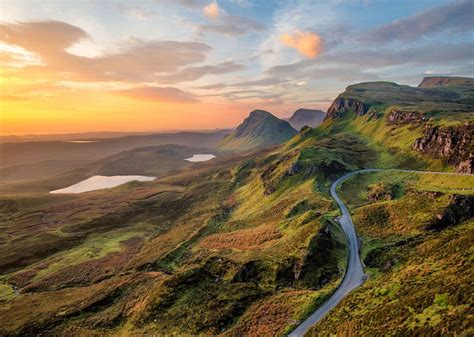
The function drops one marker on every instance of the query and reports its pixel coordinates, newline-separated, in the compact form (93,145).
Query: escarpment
(342,105)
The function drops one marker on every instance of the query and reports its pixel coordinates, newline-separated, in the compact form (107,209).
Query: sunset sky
(90,65)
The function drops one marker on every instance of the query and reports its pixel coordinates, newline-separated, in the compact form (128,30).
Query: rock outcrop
(466,166)
(453,144)
(405,117)
(460,208)
(342,105)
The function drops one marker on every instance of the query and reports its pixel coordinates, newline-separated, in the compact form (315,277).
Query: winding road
(354,275)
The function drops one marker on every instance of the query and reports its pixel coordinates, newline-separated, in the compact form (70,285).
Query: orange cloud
(211,10)
(308,44)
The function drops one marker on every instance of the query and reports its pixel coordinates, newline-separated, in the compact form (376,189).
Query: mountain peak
(260,114)
(260,129)
(309,117)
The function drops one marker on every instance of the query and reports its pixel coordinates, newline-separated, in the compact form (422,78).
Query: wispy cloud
(137,13)
(194,73)
(193,4)
(230,25)
(453,17)
(159,94)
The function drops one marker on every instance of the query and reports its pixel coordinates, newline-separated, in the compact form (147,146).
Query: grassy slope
(420,278)
(210,230)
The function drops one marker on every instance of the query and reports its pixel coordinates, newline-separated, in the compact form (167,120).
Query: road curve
(354,275)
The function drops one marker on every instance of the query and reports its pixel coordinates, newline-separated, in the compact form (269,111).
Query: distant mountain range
(260,129)
(306,117)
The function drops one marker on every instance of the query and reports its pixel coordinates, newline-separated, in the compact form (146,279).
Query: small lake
(101,182)
(200,157)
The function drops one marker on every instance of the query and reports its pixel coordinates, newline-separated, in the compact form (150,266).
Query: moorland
(248,243)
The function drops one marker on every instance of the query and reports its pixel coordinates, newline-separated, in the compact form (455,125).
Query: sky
(112,65)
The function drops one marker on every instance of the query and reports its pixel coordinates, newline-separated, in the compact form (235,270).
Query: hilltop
(260,129)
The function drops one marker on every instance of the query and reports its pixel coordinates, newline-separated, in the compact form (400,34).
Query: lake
(100,182)
(200,157)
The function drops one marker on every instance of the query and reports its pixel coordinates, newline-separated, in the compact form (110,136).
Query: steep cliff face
(453,144)
(342,105)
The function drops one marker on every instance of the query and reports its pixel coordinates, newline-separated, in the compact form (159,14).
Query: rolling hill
(22,162)
(95,148)
(259,130)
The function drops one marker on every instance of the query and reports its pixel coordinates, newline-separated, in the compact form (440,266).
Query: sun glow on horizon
(121,66)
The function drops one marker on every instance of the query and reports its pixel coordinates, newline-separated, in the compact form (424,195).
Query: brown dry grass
(245,239)
(271,316)
(89,272)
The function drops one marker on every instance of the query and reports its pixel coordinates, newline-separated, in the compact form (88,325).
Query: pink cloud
(211,10)
(308,44)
